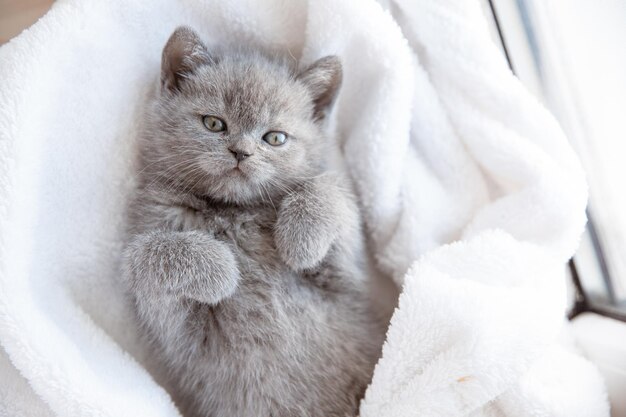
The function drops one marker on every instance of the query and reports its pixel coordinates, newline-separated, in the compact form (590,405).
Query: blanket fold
(472,200)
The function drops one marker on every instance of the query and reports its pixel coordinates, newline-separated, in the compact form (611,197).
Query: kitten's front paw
(211,273)
(188,264)
(309,222)
(302,244)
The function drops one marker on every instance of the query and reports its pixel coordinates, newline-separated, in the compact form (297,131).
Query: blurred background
(571,54)
(17,15)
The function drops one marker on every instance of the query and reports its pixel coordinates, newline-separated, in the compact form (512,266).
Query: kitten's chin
(236,187)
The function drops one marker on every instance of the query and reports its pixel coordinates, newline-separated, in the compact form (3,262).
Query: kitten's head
(237,126)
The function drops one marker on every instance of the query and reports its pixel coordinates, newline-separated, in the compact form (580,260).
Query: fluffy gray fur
(246,273)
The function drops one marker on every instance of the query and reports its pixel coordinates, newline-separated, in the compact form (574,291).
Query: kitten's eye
(214,124)
(275,138)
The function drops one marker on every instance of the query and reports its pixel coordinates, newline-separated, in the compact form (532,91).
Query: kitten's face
(237,127)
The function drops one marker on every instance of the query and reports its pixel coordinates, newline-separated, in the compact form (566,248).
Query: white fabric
(442,141)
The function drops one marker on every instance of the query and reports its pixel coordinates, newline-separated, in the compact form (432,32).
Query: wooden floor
(17,15)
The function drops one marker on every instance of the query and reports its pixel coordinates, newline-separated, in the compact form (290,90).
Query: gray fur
(249,282)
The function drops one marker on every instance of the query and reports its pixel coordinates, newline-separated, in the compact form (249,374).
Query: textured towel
(472,198)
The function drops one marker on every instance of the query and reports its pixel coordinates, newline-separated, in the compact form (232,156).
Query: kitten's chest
(248,231)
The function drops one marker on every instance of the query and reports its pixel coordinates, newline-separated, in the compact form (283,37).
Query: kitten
(244,257)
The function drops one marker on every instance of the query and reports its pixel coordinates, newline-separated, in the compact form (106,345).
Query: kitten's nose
(239,154)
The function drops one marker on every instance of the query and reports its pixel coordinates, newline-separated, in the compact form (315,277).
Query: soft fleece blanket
(472,198)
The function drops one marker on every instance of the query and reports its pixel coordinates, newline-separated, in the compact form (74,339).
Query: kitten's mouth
(238,171)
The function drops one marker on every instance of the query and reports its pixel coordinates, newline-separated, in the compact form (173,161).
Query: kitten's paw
(302,244)
(212,273)
(309,222)
(188,264)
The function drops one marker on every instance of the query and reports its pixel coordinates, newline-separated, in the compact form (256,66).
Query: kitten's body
(256,303)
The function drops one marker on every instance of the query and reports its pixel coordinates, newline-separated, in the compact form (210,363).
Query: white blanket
(444,146)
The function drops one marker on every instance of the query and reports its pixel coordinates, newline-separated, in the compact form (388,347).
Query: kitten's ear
(323,79)
(183,53)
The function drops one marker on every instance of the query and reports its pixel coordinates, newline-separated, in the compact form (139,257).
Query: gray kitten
(244,257)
